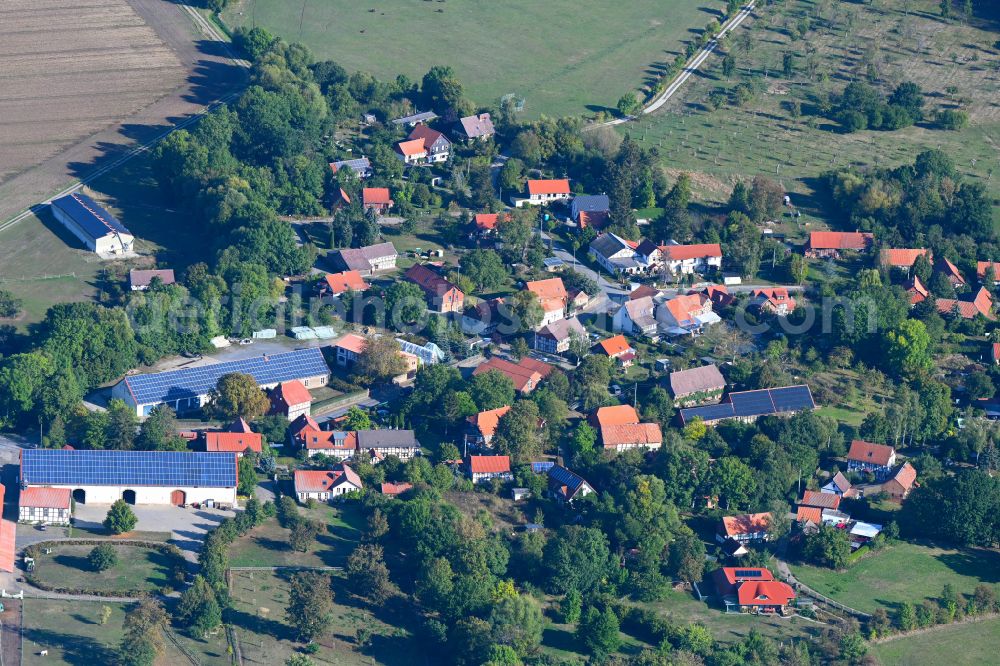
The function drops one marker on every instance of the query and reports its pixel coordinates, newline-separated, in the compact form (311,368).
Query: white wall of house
(479,478)
(43,515)
(153,494)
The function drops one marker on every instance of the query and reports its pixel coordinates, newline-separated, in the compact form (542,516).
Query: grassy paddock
(138,568)
(903,572)
(267,545)
(957,644)
(564,57)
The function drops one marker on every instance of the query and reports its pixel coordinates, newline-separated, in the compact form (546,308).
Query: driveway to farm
(214,75)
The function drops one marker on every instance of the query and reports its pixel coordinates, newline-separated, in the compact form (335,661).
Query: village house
(566,486)
(442,295)
(773,300)
(555,338)
(590,210)
(45,506)
(697,386)
(614,415)
(629,436)
(829,244)
(636,318)
(424,145)
(473,128)
(988,272)
(232,442)
(335,284)
(552,296)
(486,318)
(348,349)
(981,305)
(688,314)
(951,272)
(719,295)
(748,406)
(917,291)
(615,254)
(368,260)
(526,374)
(400,443)
(485,468)
(899,485)
(546,191)
(486,223)
(617,348)
(878,459)
(483,426)
(686,259)
(746,528)
(839,485)
(395,489)
(326,485)
(752,590)
(377,199)
(412,151)
(902,259)
(361,166)
(339,444)
(141,280)
(291,400)
(813,505)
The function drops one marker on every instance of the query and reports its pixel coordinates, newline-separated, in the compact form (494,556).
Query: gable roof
(718,294)
(477,126)
(359,165)
(747,523)
(488,464)
(682,252)
(328,440)
(61,467)
(615,345)
(765,593)
(773,296)
(951,271)
(643,291)
(361,258)
(548,186)
(411,148)
(233,442)
(903,257)
(988,270)
(759,402)
(640,311)
(143,278)
(839,240)
(561,329)
(917,291)
(696,380)
(821,500)
(338,283)
(905,476)
(632,434)
(376,439)
(427,135)
(877,454)
(352,342)
(525,372)
(293,393)
(390,488)
(841,482)
(418,117)
(429,281)
(45,498)
(488,221)
(616,415)
(982,304)
(376,196)
(90,216)
(589,203)
(567,484)
(810,514)
(486,422)
(597,219)
(685,308)
(551,293)
(318,481)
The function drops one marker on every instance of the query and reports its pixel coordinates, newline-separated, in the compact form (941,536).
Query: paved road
(690,68)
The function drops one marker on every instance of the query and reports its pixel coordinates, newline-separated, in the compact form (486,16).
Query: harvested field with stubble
(71,68)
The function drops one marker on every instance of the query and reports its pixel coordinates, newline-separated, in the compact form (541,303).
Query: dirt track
(84,80)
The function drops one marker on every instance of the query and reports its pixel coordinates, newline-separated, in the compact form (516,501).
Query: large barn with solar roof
(99,230)
(188,389)
(138,477)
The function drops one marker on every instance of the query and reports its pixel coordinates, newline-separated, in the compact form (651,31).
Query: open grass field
(564,57)
(903,572)
(267,545)
(71,69)
(138,568)
(258,616)
(955,64)
(957,644)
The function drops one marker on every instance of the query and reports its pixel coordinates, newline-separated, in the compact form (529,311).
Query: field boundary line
(968,619)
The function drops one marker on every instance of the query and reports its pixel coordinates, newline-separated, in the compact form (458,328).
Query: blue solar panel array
(541,467)
(565,477)
(128,468)
(90,215)
(749,404)
(191,382)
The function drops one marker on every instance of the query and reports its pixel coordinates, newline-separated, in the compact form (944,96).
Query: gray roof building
(705,379)
(387,439)
(590,203)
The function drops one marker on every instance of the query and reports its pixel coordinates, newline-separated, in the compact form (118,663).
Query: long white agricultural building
(99,230)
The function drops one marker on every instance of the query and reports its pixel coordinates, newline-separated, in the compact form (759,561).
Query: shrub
(120,518)
(103,557)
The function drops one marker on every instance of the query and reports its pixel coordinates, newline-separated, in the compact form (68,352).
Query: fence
(330,404)
(173,639)
(808,591)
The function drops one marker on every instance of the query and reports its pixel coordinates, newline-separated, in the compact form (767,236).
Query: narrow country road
(690,68)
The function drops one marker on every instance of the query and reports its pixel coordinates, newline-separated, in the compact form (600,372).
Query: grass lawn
(903,572)
(564,57)
(763,137)
(958,644)
(73,634)
(259,602)
(267,544)
(138,568)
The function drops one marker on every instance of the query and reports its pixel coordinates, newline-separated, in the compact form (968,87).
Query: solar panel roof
(191,382)
(90,215)
(540,467)
(752,403)
(128,468)
(792,398)
(565,477)
(708,412)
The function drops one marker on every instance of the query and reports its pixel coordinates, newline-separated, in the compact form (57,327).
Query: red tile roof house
(45,506)
(752,590)
(773,300)
(813,504)
(338,444)
(995,353)
(687,314)
(473,128)
(566,486)
(829,244)
(839,485)
(433,146)
(335,284)
(348,349)
(526,374)
(867,457)
(951,271)
(981,305)
(917,291)
(899,485)
(746,528)
(618,348)
(552,296)
(486,223)
(442,295)
(625,437)
(291,400)
(688,259)
(902,259)
(988,272)
(555,338)
(233,442)
(377,199)
(697,386)
(412,151)
(484,468)
(326,485)
(614,415)
(395,489)
(483,426)
(141,280)
(546,191)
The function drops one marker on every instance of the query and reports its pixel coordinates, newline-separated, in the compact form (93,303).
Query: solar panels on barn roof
(191,382)
(90,215)
(748,404)
(128,468)
(541,467)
